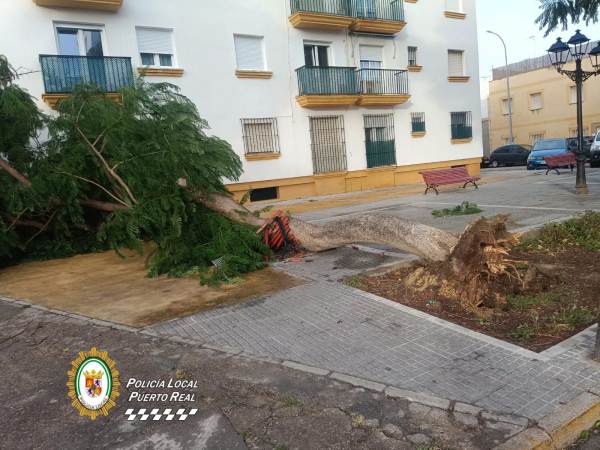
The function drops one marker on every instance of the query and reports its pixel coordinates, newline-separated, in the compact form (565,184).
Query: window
(461,125)
(535,101)
(456,63)
(505,106)
(573,131)
(260,135)
(249,52)
(573,95)
(412,56)
(328,144)
(380,141)
(454,5)
(371,57)
(537,136)
(316,55)
(75,41)
(418,122)
(262,194)
(155,47)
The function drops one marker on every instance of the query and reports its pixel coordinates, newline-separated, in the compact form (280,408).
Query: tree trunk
(427,242)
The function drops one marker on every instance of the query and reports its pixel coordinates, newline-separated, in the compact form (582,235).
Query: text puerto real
(176,395)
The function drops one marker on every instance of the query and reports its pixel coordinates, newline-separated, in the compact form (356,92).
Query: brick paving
(334,327)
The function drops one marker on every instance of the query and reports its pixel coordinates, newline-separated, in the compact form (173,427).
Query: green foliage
(464,209)
(573,317)
(559,13)
(523,302)
(145,158)
(523,332)
(583,231)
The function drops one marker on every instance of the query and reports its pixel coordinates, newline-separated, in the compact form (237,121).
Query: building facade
(316,96)
(543,103)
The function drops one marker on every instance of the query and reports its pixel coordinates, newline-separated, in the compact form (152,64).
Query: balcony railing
(383,82)
(372,16)
(344,86)
(392,10)
(327,81)
(361,9)
(333,7)
(63,73)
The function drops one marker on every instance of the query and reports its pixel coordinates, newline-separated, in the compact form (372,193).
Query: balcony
(324,87)
(382,87)
(321,14)
(366,16)
(63,73)
(103,5)
(378,16)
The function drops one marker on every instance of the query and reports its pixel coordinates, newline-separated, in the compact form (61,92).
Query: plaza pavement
(329,325)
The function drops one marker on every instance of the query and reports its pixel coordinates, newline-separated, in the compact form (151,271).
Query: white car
(595,151)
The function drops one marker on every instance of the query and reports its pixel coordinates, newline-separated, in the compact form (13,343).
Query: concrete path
(338,328)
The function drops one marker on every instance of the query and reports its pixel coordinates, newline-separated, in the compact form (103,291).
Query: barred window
(328,144)
(412,56)
(461,124)
(260,135)
(418,122)
(536,137)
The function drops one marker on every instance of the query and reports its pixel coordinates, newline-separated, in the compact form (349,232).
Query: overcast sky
(515,21)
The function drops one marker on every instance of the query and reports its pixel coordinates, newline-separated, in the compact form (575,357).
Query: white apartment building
(316,96)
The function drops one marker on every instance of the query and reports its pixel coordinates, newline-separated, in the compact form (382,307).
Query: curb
(559,429)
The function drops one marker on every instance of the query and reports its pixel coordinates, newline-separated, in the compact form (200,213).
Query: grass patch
(355,282)
(583,232)
(531,301)
(572,318)
(464,209)
(290,401)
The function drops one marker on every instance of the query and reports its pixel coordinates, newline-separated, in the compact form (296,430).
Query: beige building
(544,103)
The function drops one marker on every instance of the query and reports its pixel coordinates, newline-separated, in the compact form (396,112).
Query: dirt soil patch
(536,317)
(107,287)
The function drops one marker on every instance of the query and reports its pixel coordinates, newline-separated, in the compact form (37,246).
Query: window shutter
(155,41)
(370,53)
(249,52)
(455,63)
(536,101)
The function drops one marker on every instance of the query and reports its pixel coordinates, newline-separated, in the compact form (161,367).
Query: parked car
(485,162)
(545,147)
(587,145)
(510,155)
(595,151)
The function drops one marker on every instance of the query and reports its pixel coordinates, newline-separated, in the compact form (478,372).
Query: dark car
(510,155)
(587,145)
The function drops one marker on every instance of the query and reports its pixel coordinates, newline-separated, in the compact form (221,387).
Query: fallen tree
(118,174)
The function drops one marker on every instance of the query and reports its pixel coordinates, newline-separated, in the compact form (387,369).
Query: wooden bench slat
(454,175)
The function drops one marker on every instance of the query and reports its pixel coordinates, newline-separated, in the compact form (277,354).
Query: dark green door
(379,140)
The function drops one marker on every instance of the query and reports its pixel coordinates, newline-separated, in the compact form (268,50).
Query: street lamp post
(510,118)
(577,48)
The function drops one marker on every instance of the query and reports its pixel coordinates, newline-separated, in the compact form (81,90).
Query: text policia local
(174,396)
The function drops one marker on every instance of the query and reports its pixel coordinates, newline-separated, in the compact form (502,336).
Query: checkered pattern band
(156,414)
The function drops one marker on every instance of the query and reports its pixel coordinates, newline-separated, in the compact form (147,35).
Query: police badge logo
(93,383)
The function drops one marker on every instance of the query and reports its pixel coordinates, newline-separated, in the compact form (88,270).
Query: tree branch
(110,172)
(98,186)
(14,173)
